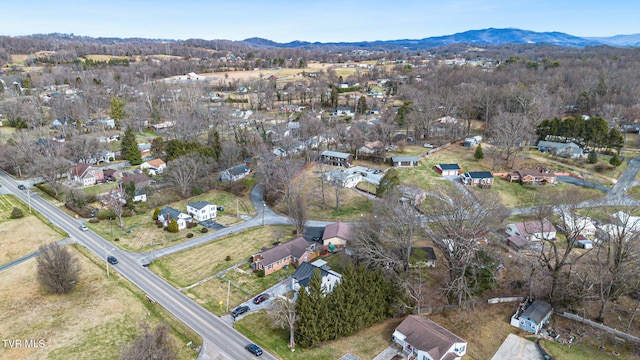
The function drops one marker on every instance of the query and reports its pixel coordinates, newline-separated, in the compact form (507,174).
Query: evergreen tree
(156,212)
(615,160)
(117,109)
(157,146)
(173,226)
(389,181)
(479,154)
(593,157)
(362,105)
(129,148)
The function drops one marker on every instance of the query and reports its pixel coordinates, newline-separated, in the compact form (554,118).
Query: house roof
(173,213)
(338,229)
(156,163)
(518,241)
(81,170)
(373,145)
(448,167)
(537,311)
(295,248)
(429,253)
(239,170)
(335,154)
(136,178)
(535,227)
(110,172)
(425,335)
(343,175)
(305,271)
(480,175)
(535,173)
(200,204)
(404,158)
(557,145)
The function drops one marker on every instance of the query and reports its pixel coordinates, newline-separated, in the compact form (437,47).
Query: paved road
(221,340)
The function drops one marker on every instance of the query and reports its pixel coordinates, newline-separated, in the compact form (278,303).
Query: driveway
(211,224)
(279,289)
(515,347)
(581,182)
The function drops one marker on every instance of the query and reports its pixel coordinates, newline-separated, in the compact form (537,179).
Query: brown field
(94,321)
(97,57)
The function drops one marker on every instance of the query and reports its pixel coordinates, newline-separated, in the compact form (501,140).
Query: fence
(615,332)
(505,299)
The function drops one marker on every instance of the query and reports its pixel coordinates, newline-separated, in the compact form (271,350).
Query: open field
(20,237)
(187,267)
(106,315)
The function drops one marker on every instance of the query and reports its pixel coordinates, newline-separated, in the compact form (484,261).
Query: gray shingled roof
(200,204)
(426,335)
(537,311)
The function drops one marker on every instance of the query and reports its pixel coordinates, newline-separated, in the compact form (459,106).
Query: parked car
(22,187)
(260,298)
(84,228)
(254,349)
(112,260)
(220,208)
(239,311)
(427,145)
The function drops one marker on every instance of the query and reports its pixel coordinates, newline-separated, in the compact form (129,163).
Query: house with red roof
(86,175)
(337,234)
(293,252)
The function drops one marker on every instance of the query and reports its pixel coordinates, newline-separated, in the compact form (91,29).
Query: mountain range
(489,36)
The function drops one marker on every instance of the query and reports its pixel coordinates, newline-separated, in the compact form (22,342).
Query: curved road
(219,339)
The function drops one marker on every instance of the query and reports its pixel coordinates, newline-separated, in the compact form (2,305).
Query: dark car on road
(22,187)
(239,310)
(254,349)
(260,298)
(112,260)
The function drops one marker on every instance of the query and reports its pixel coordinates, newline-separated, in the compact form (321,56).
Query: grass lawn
(20,237)
(588,349)
(188,267)
(140,230)
(106,315)
(365,344)
(352,204)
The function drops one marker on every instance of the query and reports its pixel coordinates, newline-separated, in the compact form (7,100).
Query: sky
(322,21)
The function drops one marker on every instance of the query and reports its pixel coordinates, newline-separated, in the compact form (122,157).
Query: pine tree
(388,182)
(129,148)
(479,154)
(593,157)
(615,160)
(173,226)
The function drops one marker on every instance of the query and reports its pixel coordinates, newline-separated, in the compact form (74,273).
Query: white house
(235,173)
(532,231)
(630,222)
(345,179)
(305,271)
(421,338)
(154,167)
(168,213)
(202,210)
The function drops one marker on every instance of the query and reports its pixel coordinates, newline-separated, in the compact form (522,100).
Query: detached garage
(448,169)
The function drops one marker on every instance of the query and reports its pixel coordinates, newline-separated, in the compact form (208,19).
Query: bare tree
(508,132)
(553,255)
(58,269)
(183,172)
(156,345)
(460,219)
(84,148)
(115,200)
(386,238)
(52,171)
(298,214)
(283,314)
(615,264)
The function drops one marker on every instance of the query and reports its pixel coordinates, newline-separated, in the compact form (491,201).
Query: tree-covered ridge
(591,132)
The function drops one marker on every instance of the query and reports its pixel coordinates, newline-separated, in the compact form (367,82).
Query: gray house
(532,317)
(235,173)
(565,150)
(337,158)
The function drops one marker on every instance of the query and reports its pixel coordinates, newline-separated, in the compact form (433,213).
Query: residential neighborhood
(356,203)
